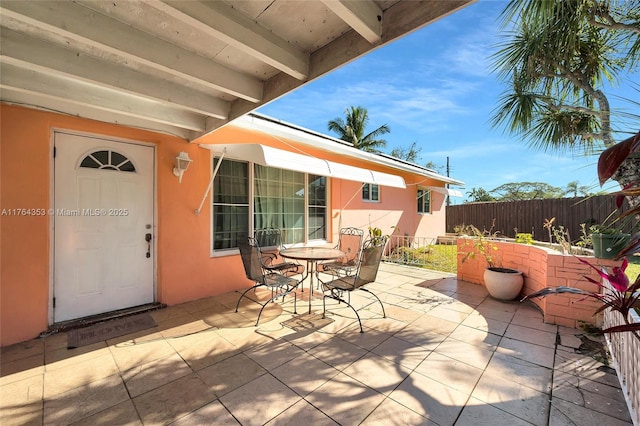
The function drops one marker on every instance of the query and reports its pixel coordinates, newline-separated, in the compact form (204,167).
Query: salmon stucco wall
(25,240)
(185,270)
(542,267)
(396,214)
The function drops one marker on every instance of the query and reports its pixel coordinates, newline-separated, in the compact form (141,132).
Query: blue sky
(434,87)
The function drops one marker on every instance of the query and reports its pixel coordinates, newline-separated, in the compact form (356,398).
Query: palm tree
(574,189)
(479,194)
(352,130)
(555,61)
(407,154)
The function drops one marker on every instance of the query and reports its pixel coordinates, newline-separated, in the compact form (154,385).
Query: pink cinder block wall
(542,268)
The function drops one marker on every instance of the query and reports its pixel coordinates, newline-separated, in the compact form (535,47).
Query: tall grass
(438,257)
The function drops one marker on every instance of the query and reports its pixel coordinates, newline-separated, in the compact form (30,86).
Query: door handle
(147,238)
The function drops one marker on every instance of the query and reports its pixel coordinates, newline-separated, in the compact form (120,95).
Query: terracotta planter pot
(503,283)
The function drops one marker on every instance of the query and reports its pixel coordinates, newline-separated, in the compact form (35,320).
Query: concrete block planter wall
(542,267)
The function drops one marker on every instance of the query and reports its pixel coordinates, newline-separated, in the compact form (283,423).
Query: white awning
(279,129)
(446,191)
(274,157)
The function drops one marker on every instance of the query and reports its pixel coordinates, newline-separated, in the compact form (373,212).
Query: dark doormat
(307,322)
(108,330)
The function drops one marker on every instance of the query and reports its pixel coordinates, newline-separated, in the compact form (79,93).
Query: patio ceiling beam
(92,33)
(364,16)
(224,23)
(22,77)
(55,60)
(46,103)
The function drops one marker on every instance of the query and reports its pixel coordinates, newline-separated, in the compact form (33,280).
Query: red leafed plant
(609,163)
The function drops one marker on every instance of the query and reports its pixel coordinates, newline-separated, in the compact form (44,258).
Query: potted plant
(607,241)
(502,283)
(376,237)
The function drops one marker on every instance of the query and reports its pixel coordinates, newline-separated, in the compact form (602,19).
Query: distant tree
(478,195)
(352,130)
(574,189)
(437,167)
(526,191)
(410,154)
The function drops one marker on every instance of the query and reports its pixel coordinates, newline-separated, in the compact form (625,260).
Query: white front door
(103,202)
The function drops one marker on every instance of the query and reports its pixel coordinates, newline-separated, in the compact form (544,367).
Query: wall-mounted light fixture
(182,162)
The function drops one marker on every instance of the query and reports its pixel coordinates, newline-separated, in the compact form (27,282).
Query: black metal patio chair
(366,272)
(279,284)
(270,242)
(349,242)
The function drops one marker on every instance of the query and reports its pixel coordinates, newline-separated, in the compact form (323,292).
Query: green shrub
(524,238)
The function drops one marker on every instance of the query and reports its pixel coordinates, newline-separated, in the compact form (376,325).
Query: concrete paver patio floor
(447,353)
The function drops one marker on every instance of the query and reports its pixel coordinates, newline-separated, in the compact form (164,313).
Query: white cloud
(401,101)
(475,150)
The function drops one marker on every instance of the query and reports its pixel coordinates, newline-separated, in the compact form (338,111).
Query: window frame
(229,251)
(420,201)
(270,184)
(370,192)
(308,207)
(251,207)
(92,161)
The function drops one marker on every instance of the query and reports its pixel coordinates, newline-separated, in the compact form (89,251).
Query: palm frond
(622,328)
(555,51)
(556,290)
(352,130)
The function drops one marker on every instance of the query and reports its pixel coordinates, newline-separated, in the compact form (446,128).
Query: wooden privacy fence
(530,215)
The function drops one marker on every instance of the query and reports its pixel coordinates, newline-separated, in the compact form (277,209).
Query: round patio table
(312,255)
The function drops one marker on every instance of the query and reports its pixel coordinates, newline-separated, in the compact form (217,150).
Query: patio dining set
(338,271)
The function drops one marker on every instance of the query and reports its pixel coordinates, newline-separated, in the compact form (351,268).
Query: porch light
(182,162)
